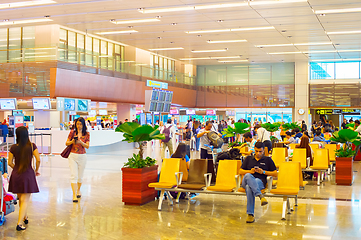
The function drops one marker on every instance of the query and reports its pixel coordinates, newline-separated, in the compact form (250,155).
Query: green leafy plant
(239,128)
(351,126)
(291,126)
(274,139)
(271,127)
(134,132)
(346,136)
(137,162)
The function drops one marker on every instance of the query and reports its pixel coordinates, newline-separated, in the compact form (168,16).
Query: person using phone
(255,170)
(206,152)
(79,139)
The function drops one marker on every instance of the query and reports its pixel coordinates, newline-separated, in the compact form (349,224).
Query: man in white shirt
(169,130)
(263,136)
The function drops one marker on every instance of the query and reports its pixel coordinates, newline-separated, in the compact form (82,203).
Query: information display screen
(191,112)
(69,104)
(103,112)
(162,96)
(41,103)
(160,107)
(155,95)
(149,118)
(173,111)
(7,104)
(166,108)
(82,105)
(142,118)
(153,106)
(169,97)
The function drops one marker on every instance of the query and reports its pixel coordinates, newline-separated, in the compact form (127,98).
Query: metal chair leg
(318,178)
(161,197)
(178,196)
(296,201)
(169,198)
(284,208)
(288,206)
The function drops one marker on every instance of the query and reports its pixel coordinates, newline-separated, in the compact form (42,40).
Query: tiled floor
(102,215)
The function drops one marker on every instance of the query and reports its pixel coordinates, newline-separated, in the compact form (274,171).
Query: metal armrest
(208,178)
(179,179)
(238,182)
(269,182)
(308,162)
(287,159)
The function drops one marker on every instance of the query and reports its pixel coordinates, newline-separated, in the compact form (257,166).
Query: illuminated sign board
(156,84)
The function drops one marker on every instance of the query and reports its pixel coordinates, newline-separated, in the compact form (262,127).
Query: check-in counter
(57,139)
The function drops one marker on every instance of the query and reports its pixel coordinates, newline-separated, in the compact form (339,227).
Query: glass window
(104,53)
(63,34)
(29,37)
(110,54)
(15,44)
(287,118)
(80,42)
(322,70)
(71,46)
(3,44)
(88,50)
(345,70)
(96,46)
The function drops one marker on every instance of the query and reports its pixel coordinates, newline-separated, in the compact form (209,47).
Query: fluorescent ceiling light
(232,61)
(230,30)
(294,44)
(216,6)
(25,21)
(340,10)
(226,41)
(207,51)
(344,32)
(311,52)
(117,32)
(210,58)
(25,4)
(136,21)
(279,53)
(165,49)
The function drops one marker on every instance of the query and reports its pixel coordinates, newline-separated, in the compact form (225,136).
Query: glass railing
(95,61)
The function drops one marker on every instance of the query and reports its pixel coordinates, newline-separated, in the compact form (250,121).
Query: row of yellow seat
(228,180)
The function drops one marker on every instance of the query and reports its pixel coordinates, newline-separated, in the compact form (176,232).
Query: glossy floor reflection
(102,215)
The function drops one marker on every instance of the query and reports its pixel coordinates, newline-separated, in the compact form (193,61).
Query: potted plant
(291,126)
(239,128)
(272,127)
(138,172)
(344,172)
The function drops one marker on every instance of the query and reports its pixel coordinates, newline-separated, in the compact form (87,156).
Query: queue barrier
(33,136)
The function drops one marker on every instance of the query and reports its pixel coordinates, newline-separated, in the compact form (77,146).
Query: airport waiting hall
(180,119)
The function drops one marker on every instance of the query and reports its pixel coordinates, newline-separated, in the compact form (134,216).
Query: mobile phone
(76,138)
(256,167)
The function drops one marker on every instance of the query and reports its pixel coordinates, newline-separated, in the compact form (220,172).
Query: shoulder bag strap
(263,135)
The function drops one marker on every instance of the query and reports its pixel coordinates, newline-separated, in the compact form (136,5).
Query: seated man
(255,170)
(250,142)
(298,133)
(318,137)
(290,138)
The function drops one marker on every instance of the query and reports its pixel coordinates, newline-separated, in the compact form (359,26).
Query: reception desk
(58,138)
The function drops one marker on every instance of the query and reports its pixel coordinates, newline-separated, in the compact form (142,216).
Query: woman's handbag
(66,152)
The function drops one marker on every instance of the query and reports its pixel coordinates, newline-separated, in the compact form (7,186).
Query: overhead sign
(337,111)
(324,111)
(351,111)
(156,84)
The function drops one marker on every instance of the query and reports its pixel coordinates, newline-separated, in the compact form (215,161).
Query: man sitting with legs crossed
(255,170)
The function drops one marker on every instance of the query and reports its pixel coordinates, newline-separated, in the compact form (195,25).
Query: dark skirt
(24,182)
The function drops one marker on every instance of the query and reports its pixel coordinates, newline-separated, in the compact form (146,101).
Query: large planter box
(135,190)
(344,171)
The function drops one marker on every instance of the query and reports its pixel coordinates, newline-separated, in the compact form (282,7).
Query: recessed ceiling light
(159,37)
(206,51)
(171,42)
(230,30)
(136,21)
(226,41)
(199,35)
(166,49)
(25,4)
(117,32)
(322,15)
(220,20)
(174,24)
(283,31)
(158,16)
(47,16)
(340,10)
(6,20)
(216,6)
(344,32)
(25,21)
(130,26)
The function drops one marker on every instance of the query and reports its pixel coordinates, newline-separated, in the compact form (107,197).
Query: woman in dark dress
(22,179)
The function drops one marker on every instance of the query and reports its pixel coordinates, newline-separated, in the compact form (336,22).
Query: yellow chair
(332,148)
(168,178)
(279,156)
(314,146)
(293,145)
(227,174)
(288,184)
(302,183)
(320,162)
(300,155)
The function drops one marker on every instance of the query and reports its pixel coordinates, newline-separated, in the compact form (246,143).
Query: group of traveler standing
(23,177)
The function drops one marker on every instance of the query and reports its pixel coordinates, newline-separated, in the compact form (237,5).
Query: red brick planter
(344,171)
(135,190)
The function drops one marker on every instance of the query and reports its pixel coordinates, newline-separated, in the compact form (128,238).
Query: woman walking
(79,139)
(22,179)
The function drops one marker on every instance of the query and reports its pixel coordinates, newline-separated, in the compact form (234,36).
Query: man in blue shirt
(318,137)
(297,132)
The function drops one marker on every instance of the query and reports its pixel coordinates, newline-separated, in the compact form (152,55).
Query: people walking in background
(79,139)
(22,179)
(196,128)
(169,130)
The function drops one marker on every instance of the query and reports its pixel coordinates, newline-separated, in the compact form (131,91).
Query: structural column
(301,92)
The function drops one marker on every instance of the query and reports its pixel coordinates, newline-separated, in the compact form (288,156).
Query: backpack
(216,141)
(166,133)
